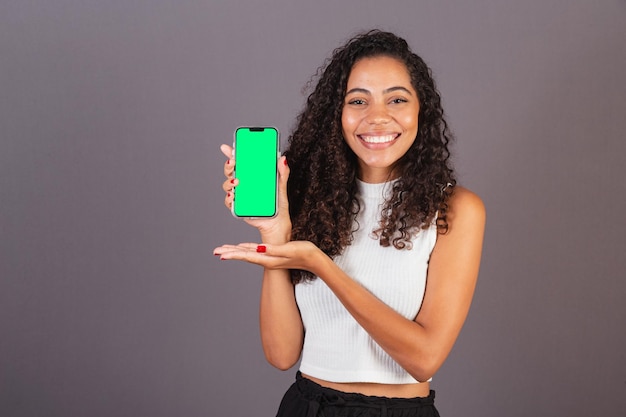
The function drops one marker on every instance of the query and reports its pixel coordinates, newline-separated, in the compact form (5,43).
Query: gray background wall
(111,113)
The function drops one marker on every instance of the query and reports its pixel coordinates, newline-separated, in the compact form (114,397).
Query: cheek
(410,121)
(349,121)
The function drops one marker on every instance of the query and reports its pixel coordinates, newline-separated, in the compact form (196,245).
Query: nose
(378,114)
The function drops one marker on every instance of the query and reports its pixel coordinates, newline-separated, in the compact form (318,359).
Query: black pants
(305,398)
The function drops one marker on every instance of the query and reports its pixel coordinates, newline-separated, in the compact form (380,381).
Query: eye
(399,100)
(356,101)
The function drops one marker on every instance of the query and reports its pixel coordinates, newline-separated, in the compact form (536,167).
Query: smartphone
(256,152)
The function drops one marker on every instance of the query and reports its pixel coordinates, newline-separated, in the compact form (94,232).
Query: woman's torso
(338,353)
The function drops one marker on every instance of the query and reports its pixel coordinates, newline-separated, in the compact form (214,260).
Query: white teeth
(378,139)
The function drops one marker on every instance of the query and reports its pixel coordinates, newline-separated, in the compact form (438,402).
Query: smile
(378,139)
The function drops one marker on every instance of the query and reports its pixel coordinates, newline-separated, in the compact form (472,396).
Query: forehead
(379,70)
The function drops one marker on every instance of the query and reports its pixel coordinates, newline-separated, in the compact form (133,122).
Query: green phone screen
(256,151)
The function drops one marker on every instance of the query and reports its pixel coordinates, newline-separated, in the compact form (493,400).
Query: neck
(377,175)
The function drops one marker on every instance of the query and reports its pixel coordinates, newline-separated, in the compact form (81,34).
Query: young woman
(371,263)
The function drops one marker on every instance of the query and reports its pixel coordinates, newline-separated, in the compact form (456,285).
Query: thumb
(282,250)
(227,151)
(283,177)
(268,249)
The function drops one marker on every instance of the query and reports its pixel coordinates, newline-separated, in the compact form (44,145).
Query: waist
(378,390)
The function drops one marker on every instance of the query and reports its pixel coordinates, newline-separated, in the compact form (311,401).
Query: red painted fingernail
(261,249)
(228,162)
(227,194)
(285,161)
(232,181)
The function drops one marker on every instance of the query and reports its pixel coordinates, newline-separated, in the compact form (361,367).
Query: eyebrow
(386,91)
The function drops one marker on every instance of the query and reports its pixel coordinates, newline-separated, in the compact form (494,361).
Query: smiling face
(379,116)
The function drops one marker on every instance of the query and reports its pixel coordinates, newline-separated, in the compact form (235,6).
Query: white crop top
(336,347)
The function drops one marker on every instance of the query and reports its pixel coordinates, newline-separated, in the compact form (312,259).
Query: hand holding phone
(256,150)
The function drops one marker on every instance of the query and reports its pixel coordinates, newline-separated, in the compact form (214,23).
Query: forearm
(281,325)
(406,341)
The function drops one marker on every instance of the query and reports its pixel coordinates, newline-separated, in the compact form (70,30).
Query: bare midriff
(379,390)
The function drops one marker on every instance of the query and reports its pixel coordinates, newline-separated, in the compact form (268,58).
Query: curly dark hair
(322,187)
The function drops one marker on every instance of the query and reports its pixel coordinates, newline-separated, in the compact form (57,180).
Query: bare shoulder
(465,215)
(464,205)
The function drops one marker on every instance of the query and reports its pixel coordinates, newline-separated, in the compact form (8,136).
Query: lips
(378,138)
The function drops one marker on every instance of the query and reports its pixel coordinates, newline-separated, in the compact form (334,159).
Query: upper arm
(452,273)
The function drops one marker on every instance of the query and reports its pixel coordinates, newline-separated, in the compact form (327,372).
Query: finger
(283,169)
(223,248)
(229,168)
(228,200)
(229,184)
(247,256)
(242,247)
(230,252)
(249,246)
(283,177)
(242,253)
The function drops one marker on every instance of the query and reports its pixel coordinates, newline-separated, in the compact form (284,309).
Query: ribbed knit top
(336,347)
